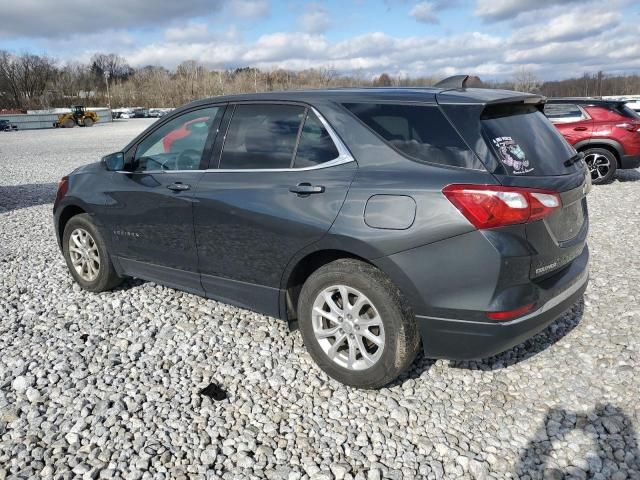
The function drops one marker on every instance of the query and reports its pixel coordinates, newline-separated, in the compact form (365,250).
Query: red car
(198,126)
(606,131)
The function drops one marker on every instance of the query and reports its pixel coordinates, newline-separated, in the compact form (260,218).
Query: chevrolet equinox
(381,221)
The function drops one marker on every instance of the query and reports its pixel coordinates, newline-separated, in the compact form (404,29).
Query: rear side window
(525,142)
(627,111)
(261,136)
(315,145)
(563,112)
(420,132)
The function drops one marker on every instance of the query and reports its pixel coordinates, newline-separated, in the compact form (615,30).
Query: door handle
(306,189)
(178,187)
(580,129)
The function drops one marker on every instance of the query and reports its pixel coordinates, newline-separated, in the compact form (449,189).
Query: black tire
(107,277)
(69,123)
(601,175)
(402,340)
(88,122)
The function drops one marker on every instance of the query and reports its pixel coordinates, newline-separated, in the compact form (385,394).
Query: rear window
(525,142)
(420,132)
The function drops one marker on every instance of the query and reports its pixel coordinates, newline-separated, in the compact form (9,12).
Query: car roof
(586,101)
(384,94)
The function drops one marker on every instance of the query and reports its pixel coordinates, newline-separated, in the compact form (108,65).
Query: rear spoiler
(456,90)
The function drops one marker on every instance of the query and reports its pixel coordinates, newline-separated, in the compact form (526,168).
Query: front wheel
(86,255)
(356,325)
(602,165)
(88,122)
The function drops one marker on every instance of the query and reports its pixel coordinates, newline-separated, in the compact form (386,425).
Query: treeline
(30,81)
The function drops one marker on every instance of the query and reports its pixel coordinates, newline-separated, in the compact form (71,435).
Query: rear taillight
(63,186)
(490,206)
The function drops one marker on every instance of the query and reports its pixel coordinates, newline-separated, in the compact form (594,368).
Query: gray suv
(380,221)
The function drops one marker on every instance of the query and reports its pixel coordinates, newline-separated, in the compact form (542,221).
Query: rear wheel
(86,255)
(68,123)
(88,122)
(356,325)
(602,164)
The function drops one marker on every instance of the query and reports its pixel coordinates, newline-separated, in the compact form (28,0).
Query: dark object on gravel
(214,392)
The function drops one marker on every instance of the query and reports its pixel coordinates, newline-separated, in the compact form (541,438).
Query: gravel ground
(108,385)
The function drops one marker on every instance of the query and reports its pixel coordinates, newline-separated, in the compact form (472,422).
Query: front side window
(315,145)
(178,144)
(262,137)
(421,132)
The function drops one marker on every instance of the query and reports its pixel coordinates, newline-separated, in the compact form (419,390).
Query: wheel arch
(301,270)
(66,214)
(605,143)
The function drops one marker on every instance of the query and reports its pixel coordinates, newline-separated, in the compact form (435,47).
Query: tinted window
(178,144)
(261,136)
(627,112)
(315,144)
(563,112)
(525,142)
(421,132)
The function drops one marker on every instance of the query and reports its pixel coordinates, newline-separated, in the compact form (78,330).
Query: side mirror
(114,161)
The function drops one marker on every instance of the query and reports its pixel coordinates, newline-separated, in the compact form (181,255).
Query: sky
(490,38)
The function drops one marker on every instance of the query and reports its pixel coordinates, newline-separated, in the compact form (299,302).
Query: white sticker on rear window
(511,155)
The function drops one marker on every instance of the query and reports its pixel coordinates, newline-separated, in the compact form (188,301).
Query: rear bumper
(630,161)
(470,340)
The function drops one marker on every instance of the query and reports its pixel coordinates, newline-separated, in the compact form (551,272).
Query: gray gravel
(107,385)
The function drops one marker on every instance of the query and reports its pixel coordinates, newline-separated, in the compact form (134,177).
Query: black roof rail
(456,81)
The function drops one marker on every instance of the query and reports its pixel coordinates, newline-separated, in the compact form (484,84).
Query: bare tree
(525,80)
(384,80)
(117,66)
(26,76)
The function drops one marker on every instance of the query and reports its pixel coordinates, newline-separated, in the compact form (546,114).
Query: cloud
(424,12)
(495,10)
(574,24)
(252,9)
(315,19)
(192,32)
(51,19)
(558,40)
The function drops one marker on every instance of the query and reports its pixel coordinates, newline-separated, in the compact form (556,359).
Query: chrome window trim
(344,156)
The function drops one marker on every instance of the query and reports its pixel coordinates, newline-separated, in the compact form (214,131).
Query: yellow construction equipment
(78,116)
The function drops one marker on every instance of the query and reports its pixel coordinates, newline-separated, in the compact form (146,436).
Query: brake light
(63,187)
(490,206)
(509,314)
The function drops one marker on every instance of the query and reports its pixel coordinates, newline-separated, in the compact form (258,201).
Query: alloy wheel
(348,327)
(598,164)
(84,254)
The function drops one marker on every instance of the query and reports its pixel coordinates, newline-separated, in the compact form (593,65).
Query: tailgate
(521,148)
(560,237)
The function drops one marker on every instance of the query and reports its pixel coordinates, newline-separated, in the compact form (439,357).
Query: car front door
(281,181)
(572,121)
(150,213)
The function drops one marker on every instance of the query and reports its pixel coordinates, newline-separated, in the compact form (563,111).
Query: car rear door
(150,215)
(279,178)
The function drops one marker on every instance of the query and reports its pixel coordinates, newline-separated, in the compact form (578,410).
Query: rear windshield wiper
(576,158)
